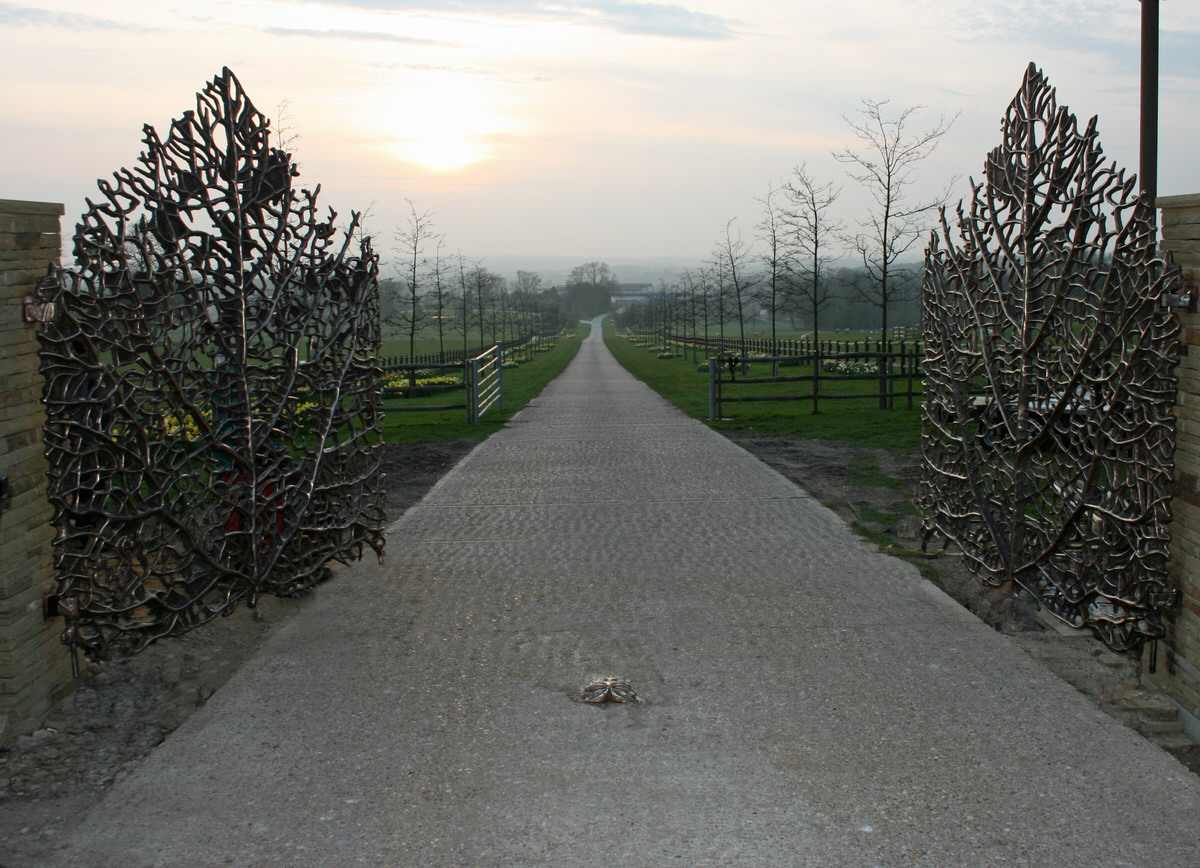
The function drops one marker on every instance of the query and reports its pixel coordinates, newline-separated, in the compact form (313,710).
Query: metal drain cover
(610,690)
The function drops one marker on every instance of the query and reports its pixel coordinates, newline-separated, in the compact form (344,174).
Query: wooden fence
(703,347)
(522,348)
(479,376)
(410,370)
(896,371)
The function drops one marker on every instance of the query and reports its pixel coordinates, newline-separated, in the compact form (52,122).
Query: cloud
(1180,56)
(661,19)
(1108,28)
(12,15)
(666,20)
(463,71)
(352,36)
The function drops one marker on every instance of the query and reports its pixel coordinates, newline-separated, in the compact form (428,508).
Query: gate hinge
(1181,300)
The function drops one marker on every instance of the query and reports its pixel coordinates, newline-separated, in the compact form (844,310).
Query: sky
(604,129)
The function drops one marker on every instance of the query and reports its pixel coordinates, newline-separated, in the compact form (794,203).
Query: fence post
(713,409)
(500,375)
(469,378)
(816,383)
(912,364)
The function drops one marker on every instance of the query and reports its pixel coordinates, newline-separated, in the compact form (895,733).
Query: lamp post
(1148,170)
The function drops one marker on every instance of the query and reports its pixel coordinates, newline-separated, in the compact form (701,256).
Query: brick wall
(34,666)
(1178,670)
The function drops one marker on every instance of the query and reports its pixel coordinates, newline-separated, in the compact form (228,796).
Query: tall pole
(1148,171)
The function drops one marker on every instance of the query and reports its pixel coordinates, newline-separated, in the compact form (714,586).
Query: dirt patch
(411,469)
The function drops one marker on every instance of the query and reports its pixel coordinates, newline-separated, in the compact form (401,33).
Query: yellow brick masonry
(34,667)
(1179,668)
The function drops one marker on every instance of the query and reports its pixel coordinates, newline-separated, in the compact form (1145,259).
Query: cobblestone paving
(808,701)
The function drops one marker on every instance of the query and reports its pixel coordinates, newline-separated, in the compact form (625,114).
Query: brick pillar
(1178,670)
(35,668)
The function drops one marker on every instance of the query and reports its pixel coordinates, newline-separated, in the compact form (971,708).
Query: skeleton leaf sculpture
(211,385)
(1049,415)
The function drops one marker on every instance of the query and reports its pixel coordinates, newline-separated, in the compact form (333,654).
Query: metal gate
(211,385)
(485,383)
(1049,377)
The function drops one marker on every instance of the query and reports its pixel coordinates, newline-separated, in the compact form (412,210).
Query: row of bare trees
(456,298)
(805,258)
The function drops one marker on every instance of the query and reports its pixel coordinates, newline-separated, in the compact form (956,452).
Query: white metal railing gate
(485,386)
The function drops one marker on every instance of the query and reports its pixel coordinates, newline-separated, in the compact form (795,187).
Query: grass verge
(521,385)
(858,422)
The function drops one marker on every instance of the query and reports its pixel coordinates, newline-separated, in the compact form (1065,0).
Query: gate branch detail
(211,385)
(1049,425)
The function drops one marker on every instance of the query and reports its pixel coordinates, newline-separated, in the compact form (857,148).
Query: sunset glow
(591,128)
(442,127)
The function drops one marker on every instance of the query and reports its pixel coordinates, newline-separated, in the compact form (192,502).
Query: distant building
(626,294)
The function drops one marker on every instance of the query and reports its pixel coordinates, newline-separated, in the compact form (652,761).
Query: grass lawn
(521,385)
(855,421)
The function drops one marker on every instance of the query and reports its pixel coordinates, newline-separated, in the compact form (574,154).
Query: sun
(445,151)
(446,126)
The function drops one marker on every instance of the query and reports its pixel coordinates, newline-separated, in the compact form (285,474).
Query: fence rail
(482,385)
(481,374)
(522,348)
(413,389)
(897,373)
(785,348)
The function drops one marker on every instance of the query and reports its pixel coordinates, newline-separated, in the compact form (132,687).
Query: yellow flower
(184,425)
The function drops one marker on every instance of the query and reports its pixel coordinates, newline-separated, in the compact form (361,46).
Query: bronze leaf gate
(1050,388)
(211,385)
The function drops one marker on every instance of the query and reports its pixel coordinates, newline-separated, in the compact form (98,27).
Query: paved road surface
(808,701)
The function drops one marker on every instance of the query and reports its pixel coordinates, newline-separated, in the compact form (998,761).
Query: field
(522,383)
(857,421)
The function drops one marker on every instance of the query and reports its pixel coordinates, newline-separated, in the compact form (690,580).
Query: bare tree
(286,135)
(885,163)
(812,233)
(528,282)
(772,290)
(412,239)
(589,290)
(524,297)
(502,310)
(732,259)
(464,303)
(702,285)
(718,288)
(441,294)
(526,292)
(691,290)
(362,231)
(485,287)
